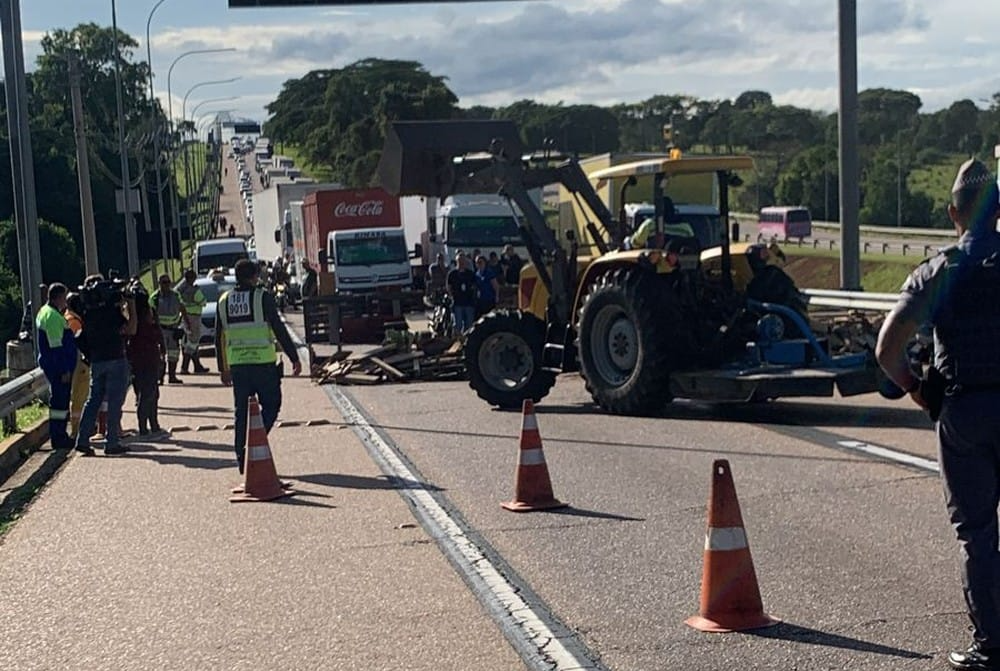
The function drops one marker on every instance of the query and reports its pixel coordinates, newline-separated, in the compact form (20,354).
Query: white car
(212,286)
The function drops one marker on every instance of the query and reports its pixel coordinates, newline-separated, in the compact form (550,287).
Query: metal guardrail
(19,392)
(850,300)
(944,233)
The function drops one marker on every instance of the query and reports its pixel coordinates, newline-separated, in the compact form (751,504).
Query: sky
(571,51)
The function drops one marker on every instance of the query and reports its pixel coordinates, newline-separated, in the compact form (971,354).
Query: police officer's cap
(972,176)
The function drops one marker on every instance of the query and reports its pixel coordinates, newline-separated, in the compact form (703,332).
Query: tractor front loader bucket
(418,156)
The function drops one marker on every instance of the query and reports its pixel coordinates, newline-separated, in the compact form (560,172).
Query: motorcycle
(439,318)
(280,291)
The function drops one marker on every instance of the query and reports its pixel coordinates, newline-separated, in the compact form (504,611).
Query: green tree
(51,123)
(345,127)
(884,189)
(811,179)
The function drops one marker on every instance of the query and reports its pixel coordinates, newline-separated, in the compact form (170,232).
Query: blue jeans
(264,381)
(465,315)
(109,382)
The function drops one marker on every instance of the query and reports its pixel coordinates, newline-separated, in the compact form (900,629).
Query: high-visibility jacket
(192,297)
(248,338)
(167,308)
(56,344)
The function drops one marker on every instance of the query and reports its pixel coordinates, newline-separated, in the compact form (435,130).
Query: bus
(784,223)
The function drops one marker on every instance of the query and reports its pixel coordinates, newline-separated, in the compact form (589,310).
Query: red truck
(342,209)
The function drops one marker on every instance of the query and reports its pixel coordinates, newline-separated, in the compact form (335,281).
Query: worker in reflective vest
(247,327)
(170,314)
(194,302)
(57,359)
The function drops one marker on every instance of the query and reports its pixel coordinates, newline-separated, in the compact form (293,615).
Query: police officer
(57,358)
(248,324)
(168,309)
(958,293)
(194,302)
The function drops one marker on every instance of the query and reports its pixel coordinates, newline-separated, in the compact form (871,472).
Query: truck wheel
(629,342)
(503,354)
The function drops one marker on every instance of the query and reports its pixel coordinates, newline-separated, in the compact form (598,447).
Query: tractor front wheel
(503,355)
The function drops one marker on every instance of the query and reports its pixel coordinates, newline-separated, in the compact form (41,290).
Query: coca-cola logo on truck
(366,208)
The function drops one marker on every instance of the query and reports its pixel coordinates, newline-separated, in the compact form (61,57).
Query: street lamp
(190,182)
(194,112)
(131,244)
(198,86)
(156,141)
(170,119)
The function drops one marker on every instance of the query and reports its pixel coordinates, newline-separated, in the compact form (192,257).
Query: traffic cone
(730,597)
(260,480)
(533,490)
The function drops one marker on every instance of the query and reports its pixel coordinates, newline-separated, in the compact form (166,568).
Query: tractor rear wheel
(503,356)
(629,342)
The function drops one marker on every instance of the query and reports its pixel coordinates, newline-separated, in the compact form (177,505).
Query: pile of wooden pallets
(435,360)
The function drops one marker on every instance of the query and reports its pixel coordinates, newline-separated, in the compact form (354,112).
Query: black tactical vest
(967,324)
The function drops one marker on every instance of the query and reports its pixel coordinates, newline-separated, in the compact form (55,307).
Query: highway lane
(855,554)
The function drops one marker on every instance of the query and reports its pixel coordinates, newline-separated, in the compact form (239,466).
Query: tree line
(337,117)
(55,160)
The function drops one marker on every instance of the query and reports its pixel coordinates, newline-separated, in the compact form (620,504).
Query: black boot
(198,367)
(186,364)
(172,377)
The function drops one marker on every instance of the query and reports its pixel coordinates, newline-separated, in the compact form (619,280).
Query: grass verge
(27,416)
(820,269)
(320,173)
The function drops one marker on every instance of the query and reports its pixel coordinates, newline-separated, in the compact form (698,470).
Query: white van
(218,253)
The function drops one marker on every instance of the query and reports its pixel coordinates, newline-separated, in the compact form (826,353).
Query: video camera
(107,293)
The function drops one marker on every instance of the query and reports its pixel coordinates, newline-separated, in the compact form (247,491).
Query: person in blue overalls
(958,293)
(57,359)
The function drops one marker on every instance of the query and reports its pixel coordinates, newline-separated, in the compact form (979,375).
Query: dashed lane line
(829,439)
(543,642)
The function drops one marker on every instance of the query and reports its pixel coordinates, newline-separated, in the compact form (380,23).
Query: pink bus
(784,223)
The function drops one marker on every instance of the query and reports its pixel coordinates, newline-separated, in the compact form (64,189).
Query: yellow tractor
(669,308)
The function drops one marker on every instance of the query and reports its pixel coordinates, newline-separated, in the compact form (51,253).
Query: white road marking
(531,633)
(892,455)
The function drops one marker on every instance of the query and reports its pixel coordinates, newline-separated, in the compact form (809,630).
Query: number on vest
(238,304)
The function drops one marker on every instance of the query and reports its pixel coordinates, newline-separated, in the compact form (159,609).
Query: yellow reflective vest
(248,336)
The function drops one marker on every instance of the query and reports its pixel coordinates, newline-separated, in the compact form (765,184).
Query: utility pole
(22,162)
(90,261)
(850,239)
(131,244)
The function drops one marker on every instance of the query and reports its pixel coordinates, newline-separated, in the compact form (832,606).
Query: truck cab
(366,259)
(469,222)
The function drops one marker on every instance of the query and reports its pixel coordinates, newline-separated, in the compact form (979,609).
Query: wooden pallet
(397,363)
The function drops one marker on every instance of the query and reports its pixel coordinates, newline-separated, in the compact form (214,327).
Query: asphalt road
(139,562)
(853,553)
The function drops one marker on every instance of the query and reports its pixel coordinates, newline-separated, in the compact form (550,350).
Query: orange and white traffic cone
(260,481)
(533,488)
(730,596)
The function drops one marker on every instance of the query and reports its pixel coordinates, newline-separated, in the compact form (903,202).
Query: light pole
(170,119)
(131,245)
(156,141)
(204,165)
(198,86)
(194,112)
(189,180)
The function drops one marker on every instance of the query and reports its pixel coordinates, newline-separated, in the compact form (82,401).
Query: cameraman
(109,319)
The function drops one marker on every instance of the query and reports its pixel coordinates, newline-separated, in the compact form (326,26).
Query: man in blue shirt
(958,292)
(57,359)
